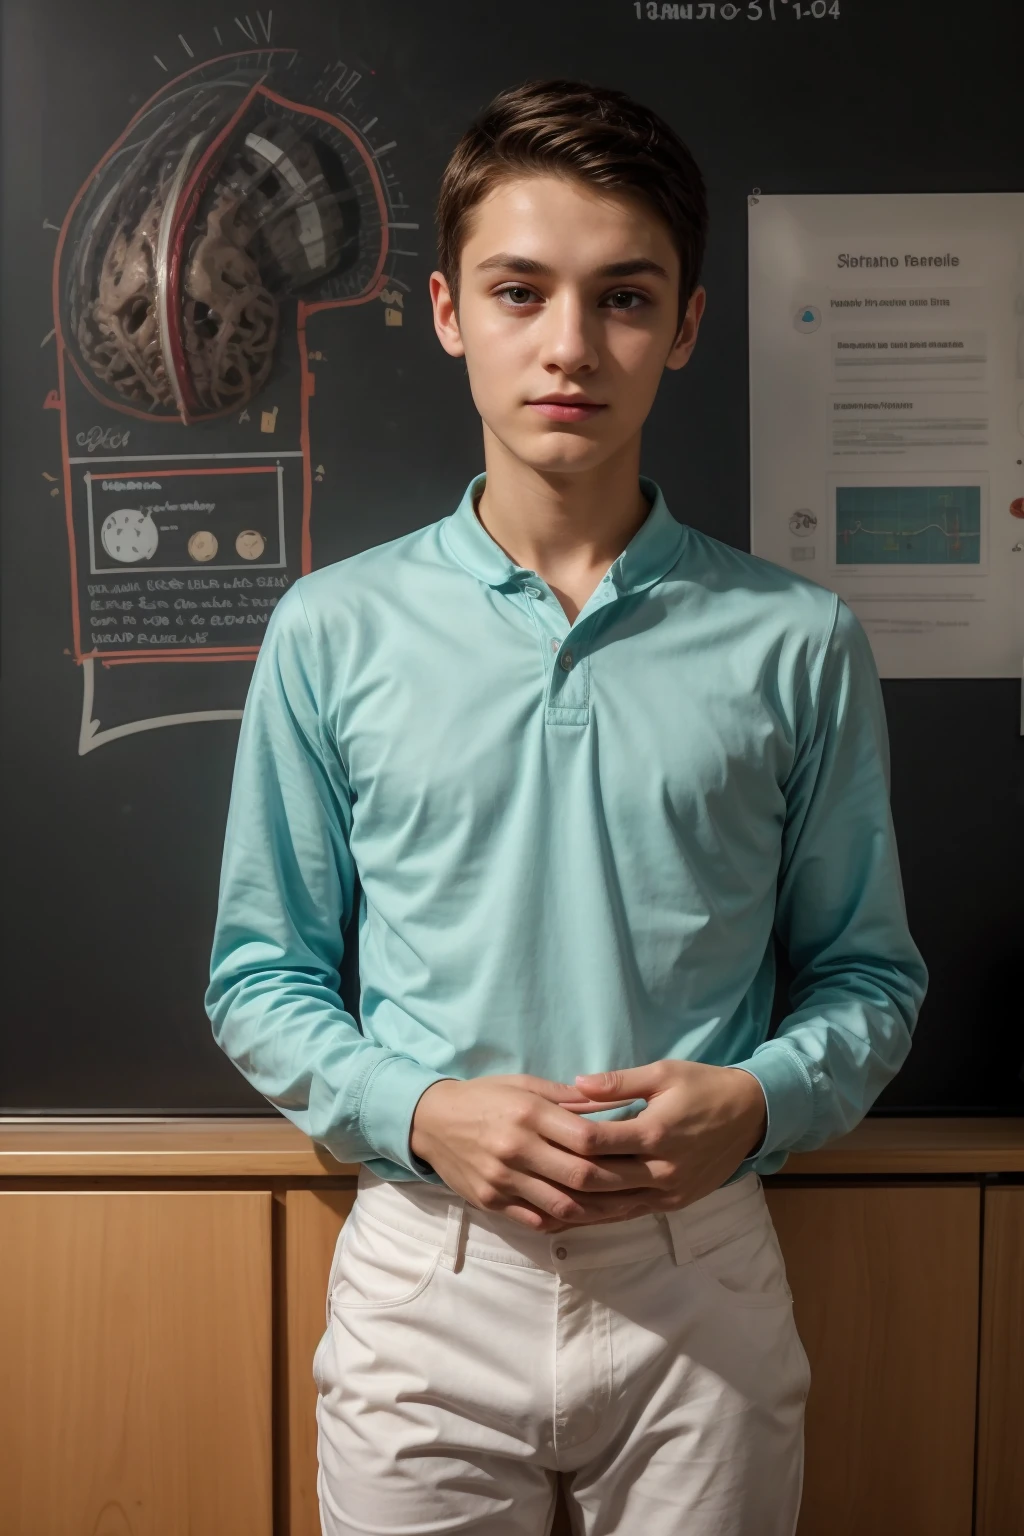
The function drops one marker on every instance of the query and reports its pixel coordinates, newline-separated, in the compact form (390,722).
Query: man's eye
(515,288)
(627,293)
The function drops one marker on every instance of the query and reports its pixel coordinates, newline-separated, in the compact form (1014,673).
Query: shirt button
(554,645)
(532,591)
(561,1253)
(566,662)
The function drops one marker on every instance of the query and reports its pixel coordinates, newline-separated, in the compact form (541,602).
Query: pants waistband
(436,1214)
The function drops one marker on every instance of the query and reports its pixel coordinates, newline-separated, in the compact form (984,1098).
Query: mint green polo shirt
(573,842)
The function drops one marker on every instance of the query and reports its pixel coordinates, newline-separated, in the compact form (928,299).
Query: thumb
(627,1082)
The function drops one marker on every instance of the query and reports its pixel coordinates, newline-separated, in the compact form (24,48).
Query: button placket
(569,677)
(567,665)
(549,617)
(569,690)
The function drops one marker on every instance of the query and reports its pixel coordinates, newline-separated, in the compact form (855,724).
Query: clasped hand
(516,1143)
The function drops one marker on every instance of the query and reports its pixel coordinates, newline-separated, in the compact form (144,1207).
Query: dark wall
(111,856)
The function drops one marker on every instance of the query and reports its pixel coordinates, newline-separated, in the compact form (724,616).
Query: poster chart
(887,416)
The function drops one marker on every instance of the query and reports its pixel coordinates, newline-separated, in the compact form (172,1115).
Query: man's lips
(557,410)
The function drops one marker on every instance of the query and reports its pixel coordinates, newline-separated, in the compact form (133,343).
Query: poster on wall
(887,416)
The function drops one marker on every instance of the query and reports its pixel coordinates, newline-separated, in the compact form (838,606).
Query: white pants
(467,1361)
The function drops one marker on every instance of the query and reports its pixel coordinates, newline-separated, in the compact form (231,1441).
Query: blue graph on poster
(908,525)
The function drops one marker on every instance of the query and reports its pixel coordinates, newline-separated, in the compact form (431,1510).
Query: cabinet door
(135,1335)
(1001,1395)
(885,1281)
(313,1219)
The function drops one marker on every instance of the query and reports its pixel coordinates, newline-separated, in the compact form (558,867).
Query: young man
(584,761)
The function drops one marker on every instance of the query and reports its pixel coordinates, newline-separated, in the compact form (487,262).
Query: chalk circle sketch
(250,544)
(203,545)
(244,196)
(129,534)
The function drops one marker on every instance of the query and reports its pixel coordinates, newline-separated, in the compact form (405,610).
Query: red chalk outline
(376,284)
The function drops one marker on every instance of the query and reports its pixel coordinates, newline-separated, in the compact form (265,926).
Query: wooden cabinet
(157,1339)
(135,1340)
(1001,1394)
(885,1286)
(313,1219)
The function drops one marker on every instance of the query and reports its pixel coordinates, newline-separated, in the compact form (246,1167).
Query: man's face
(541,314)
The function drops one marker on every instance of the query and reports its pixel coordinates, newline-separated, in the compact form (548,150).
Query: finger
(550,1199)
(547,1088)
(581,1106)
(583,1175)
(595,1138)
(618,1138)
(569,1205)
(607,1207)
(604,1208)
(594,1210)
(639,1082)
(529,1216)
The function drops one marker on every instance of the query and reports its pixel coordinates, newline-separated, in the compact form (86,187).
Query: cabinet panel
(313,1219)
(885,1280)
(135,1332)
(1001,1399)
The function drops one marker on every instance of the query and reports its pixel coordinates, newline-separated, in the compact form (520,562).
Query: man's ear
(686,337)
(446,319)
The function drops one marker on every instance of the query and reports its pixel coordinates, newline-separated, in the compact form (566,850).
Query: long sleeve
(859,978)
(286,891)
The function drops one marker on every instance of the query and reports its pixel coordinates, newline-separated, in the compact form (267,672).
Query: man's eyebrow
(507,261)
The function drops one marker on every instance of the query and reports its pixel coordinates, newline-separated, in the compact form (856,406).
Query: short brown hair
(573,128)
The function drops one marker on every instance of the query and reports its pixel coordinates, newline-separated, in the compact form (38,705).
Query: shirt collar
(652,550)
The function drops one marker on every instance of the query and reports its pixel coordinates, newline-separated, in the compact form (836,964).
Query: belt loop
(677,1228)
(453,1234)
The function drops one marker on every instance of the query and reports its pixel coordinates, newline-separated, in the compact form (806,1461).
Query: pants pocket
(379,1266)
(744,1264)
(333,1275)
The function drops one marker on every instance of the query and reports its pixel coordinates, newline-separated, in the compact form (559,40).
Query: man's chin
(561,453)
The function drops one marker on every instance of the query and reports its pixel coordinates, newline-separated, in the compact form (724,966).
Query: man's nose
(568,338)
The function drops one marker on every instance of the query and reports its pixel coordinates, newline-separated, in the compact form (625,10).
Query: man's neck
(569,528)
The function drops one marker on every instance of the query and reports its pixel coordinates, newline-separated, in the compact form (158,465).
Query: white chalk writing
(102,437)
(750,10)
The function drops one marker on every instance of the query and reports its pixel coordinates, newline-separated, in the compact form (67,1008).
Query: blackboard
(112,833)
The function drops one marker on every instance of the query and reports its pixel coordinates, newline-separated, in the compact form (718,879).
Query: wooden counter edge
(52,1147)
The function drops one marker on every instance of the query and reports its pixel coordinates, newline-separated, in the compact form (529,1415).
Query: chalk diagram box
(173,520)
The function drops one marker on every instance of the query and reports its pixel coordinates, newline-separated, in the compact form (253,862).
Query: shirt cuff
(760,1147)
(787,1092)
(389,1098)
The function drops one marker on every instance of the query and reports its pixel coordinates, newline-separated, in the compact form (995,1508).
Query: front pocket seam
(743,1298)
(398,1301)
(776,1298)
(317,1356)
(332,1275)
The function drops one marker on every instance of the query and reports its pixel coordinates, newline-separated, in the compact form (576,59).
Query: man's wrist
(419,1144)
(758,1110)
